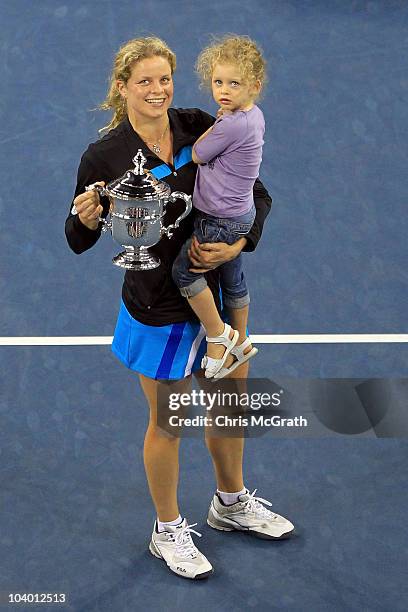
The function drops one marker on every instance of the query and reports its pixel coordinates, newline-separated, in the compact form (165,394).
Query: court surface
(76,515)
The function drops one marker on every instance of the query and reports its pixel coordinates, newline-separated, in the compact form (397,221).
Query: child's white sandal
(211,365)
(241,357)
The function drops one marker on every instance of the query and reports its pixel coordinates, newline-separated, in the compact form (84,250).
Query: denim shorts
(216,229)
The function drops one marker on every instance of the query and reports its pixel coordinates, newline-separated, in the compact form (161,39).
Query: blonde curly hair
(232,49)
(131,52)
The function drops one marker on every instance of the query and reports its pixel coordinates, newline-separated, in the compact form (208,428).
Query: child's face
(229,90)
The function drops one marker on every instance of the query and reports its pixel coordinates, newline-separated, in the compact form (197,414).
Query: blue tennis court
(76,514)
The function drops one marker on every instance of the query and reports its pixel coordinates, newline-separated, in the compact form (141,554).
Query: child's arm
(220,113)
(193,154)
(216,139)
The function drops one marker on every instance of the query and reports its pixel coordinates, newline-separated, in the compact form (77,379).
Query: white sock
(231,498)
(162,526)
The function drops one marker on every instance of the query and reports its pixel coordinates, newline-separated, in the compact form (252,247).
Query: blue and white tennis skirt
(167,352)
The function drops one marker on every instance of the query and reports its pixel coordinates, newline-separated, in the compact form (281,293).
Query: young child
(229,155)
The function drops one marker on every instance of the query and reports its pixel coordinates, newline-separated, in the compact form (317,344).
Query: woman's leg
(161,463)
(227,457)
(160,457)
(227,453)
(239,321)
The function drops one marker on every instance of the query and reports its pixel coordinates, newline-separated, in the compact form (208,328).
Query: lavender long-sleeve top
(231,154)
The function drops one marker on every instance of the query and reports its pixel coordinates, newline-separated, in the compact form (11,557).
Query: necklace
(156,145)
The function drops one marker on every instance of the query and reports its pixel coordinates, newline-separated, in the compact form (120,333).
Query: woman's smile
(156,101)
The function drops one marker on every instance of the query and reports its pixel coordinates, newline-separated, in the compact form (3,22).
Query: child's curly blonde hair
(232,49)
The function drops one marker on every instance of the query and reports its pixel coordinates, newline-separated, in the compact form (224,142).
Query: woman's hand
(89,208)
(210,255)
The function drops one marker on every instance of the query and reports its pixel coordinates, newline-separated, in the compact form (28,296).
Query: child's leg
(236,297)
(194,287)
(183,278)
(204,306)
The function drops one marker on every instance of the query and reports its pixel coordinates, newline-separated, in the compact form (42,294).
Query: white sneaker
(178,550)
(248,514)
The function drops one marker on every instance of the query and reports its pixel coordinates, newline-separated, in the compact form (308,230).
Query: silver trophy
(138,205)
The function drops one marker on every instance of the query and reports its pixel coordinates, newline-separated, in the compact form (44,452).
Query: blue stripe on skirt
(163,371)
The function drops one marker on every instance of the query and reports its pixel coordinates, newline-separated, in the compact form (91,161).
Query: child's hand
(223,111)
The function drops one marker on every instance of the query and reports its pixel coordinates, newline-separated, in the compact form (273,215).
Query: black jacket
(150,296)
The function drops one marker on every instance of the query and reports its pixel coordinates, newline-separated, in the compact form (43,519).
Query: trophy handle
(106,225)
(178,195)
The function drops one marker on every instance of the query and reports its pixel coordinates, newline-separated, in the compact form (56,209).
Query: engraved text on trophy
(136,229)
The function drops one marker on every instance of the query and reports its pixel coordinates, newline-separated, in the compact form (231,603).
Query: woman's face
(149,89)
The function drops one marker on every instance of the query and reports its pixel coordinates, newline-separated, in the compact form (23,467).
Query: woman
(157,334)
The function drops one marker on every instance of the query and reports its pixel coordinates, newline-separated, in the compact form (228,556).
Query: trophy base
(136,259)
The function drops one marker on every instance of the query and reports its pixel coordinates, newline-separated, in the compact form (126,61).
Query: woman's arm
(82,230)
(263,204)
